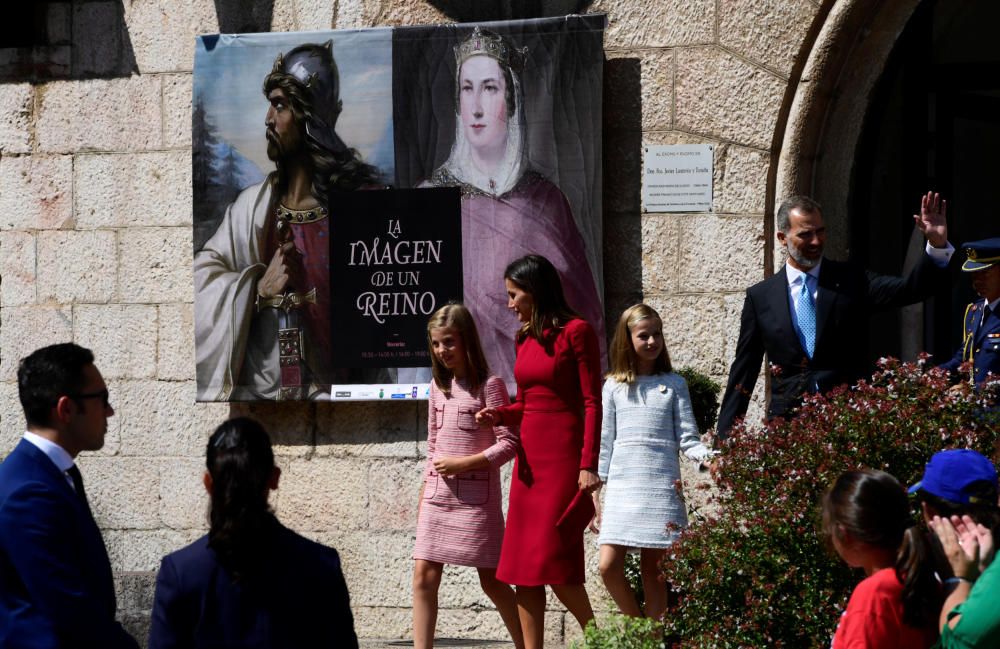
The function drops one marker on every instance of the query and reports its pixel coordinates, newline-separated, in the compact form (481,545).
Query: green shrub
(704,397)
(622,632)
(756,574)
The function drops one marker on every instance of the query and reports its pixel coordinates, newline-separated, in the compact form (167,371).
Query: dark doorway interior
(933,123)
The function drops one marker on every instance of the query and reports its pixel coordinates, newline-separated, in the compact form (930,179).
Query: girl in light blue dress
(647,422)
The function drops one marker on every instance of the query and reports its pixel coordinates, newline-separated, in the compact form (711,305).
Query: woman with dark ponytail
(866,518)
(250,582)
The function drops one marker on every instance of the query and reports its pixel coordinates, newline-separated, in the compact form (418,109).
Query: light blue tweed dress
(646,425)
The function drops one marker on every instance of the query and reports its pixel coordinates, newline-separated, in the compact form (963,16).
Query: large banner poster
(305,144)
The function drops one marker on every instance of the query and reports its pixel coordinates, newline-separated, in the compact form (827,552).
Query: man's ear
(781,236)
(64,409)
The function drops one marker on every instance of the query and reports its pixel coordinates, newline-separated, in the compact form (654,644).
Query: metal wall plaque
(677,178)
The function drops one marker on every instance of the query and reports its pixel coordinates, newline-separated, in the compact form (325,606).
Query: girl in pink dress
(459,519)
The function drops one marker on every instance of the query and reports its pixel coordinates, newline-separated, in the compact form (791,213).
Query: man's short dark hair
(47,374)
(801,203)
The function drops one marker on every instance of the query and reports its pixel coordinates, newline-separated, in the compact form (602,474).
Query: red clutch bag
(578,514)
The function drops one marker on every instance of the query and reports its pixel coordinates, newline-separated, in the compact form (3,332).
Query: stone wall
(95,247)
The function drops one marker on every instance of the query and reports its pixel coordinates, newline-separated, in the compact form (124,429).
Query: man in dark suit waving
(807,316)
(56,588)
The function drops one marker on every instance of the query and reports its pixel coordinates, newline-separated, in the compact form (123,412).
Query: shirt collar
(793,274)
(53,451)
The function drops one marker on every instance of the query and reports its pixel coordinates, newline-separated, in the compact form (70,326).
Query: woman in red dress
(558,406)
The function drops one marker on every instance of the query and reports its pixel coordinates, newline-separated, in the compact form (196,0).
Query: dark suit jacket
(298,600)
(982,337)
(846,296)
(56,588)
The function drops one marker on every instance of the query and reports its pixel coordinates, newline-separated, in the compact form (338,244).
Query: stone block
(15,117)
(36,192)
(58,23)
(119,190)
(17,268)
(177,111)
(135,591)
(622,171)
(720,95)
(11,418)
(76,266)
(161,418)
(623,254)
(124,493)
(622,109)
(155,265)
(142,550)
(668,23)
(402,12)
(97,39)
(393,486)
(657,89)
(291,424)
(100,115)
(369,428)
(350,14)
(163,32)
(26,328)
(719,253)
(740,179)
(388,571)
(382,622)
(315,14)
(769,32)
(122,337)
(183,502)
(326,494)
(661,247)
(175,342)
(692,328)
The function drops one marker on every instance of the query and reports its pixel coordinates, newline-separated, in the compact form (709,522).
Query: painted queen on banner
(507,113)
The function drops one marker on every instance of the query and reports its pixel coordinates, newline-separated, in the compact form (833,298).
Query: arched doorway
(896,97)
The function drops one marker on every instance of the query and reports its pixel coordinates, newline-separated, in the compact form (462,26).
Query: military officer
(981,331)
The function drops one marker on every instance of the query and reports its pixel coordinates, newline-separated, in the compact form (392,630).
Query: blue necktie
(805,313)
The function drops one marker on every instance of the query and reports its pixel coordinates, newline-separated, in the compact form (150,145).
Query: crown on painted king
(486,43)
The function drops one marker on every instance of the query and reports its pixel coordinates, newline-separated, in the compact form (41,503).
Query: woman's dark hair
(872,507)
(983,510)
(537,276)
(240,460)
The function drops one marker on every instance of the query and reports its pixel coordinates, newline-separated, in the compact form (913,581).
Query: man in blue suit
(981,327)
(56,588)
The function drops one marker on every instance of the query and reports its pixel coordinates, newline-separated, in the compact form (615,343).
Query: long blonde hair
(456,317)
(624,360)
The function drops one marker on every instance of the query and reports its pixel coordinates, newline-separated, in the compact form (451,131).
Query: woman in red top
(867,519)
(558,406)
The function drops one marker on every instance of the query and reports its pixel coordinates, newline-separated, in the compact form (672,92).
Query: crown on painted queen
(482,42)
(981,255)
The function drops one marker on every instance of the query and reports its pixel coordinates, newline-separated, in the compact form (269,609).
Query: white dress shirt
(56,453)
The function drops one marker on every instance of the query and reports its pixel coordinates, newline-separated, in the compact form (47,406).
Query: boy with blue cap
(981,331)
(959,497)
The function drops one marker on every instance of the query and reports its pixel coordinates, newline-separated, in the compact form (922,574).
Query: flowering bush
(621,632)
(756,574)
(704,397)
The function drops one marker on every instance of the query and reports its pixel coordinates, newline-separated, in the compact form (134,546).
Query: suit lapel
(781,307)
(826,296)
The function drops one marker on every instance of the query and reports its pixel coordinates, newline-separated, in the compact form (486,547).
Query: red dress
(559,408)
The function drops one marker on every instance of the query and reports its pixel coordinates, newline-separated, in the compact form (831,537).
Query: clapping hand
(967,545)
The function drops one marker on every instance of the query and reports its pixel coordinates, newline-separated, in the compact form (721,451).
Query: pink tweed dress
(460,520)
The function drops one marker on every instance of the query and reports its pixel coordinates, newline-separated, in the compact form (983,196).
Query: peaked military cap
(981,254)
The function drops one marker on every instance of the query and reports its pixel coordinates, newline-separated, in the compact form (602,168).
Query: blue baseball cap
(949,474)
(980,255)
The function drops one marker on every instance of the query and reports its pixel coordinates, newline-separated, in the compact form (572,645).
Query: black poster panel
(395,259)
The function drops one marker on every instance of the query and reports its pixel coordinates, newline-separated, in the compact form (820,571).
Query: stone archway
(817,141)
